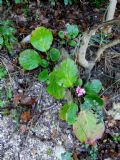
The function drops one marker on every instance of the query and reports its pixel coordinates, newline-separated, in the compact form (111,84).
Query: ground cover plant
(7,37)
(69,62)
(68,36)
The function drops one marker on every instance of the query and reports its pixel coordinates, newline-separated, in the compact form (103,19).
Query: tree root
(103,48)
(81,54)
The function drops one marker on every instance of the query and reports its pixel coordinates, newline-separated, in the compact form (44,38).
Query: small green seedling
(43,76)
(7,37)
(69,35)
(54,54)
(3,72)
(116,138)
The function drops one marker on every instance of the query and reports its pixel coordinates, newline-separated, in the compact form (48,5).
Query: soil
(38,134)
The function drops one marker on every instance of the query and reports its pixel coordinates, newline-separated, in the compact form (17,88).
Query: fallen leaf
(22,30)
(25,117)
(27,101)
(16,98)
(75,157)
(21,99)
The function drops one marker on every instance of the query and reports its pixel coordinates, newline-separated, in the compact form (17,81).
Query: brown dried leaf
(25,117)
(75,157)
(17,98)
(21,99)
(27,101)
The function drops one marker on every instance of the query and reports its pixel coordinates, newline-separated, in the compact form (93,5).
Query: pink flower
(80,91)
(65,32)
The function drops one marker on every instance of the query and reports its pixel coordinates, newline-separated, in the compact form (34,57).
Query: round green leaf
(53,88)
(93,87)
(63,111)
(86,128)
(29,59)
(56,91)
(72,43)
(61,34)
(62,42)
(54,54)
(67,73)
(72,31)
(69,112)
(44,63)
(78,82)
(93,101)
(41,39)
(43,76)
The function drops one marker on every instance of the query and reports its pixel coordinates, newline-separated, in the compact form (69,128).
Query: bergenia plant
(69,35)
(82,112)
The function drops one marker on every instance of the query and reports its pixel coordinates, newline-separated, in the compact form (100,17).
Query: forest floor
(34,131)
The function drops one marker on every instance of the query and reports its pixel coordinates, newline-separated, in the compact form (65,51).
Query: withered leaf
(25,117)
(23,100)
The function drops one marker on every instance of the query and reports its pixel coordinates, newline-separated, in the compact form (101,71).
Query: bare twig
(110,87)
(12,82)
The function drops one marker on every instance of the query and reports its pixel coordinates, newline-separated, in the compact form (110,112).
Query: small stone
(20,91)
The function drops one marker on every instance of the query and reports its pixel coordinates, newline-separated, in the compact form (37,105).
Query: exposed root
(83,49)
(103,48)
(38,2)
(111,10)
(81,55)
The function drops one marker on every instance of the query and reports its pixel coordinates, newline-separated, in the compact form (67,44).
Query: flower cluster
(80,91)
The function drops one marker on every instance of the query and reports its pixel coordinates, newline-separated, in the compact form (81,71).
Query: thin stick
(10,78)
(110,86)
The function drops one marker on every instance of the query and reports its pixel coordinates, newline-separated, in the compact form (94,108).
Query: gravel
(42,140)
